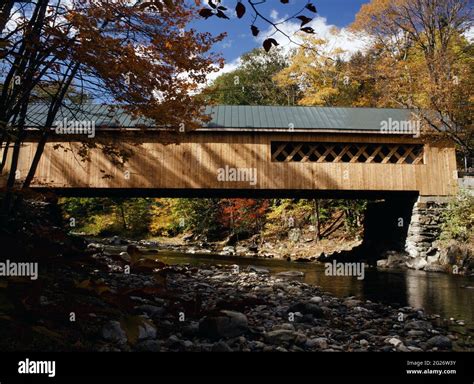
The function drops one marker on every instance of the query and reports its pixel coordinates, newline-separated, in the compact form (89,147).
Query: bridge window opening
(347,153)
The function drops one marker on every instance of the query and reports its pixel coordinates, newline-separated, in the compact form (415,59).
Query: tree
(426,63)
(198,215)
(320,80)
(139,56)
(243,216)
(252,82)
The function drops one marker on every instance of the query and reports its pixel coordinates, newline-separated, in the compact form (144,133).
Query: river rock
(281,336)
(260,270)
(290,274)
(307,308)
(113,331)
(351,303)
(318,342)
(146,331)
(434,268)
(393,341)
(229,249)
(316,300)
(221,346)
(227,324)
(151,310)
(241,250)
(441,342)
(95,246)
(418,325)
(417,263)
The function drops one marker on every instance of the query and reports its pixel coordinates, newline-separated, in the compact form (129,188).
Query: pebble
(254,315)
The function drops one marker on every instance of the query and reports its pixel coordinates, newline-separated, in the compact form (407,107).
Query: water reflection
(436,293)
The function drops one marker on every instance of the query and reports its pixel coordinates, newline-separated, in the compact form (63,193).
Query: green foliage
(252,82)
(213,218)
(201,216)
(459,218)
(106,216)
(298,213)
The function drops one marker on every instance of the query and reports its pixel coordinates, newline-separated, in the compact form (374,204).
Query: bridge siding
(193,163)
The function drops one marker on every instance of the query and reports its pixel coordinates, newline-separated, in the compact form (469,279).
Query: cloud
(336,38)
(228,67)
(274,14)
(469,34)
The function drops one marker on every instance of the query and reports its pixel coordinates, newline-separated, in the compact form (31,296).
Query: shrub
(458,218)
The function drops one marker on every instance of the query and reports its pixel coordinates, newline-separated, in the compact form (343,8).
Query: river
(436,293)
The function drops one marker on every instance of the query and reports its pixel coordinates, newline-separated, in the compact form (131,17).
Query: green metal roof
(232,118)
(318,118)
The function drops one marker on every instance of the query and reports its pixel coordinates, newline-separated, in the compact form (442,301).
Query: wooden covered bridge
(252,149)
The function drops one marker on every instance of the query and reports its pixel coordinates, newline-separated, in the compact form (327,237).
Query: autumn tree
(243,216)
(425,62)
(319,79)
(142,56)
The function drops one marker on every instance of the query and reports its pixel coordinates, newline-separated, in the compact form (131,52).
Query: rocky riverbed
(211,308)
(100,299)
(223,308)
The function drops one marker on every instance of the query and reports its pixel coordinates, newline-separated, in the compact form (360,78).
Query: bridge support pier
(424,230)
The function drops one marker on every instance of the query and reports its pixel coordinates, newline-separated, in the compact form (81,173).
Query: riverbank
(95,304)
(453,257)
(305,250)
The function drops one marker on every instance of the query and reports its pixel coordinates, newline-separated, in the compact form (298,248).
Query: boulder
(224,325)
(440,342)
(113,331)
(417,263)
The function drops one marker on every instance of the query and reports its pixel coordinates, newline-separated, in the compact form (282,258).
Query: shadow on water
(436,293)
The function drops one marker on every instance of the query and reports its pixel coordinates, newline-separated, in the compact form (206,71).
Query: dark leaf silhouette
(221,14)
(240,9)
(311,7)
(267,44)
(206,13)
(307,30)
(255,30)
(284,1)
(304,19)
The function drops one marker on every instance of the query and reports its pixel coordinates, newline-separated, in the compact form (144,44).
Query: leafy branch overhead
(216,9)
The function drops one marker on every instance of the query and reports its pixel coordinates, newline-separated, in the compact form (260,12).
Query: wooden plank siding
(194,160)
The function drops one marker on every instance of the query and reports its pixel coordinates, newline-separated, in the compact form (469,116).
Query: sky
(331,13)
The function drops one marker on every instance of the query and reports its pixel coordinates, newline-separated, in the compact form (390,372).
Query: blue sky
(339,13)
